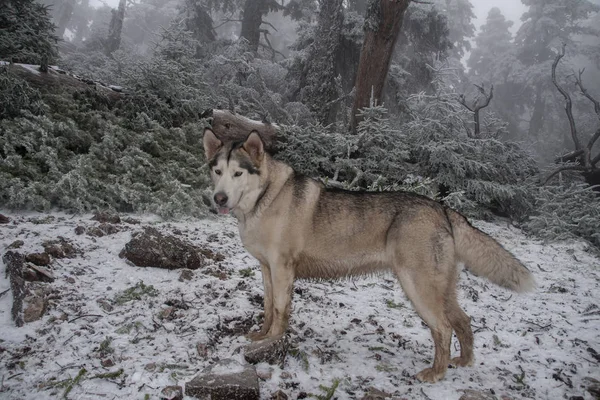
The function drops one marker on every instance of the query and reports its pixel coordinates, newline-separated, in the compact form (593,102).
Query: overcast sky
(512,9)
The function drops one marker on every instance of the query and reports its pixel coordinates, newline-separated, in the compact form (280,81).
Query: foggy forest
(491,107)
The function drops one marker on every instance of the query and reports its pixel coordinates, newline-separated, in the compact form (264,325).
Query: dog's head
(235,170)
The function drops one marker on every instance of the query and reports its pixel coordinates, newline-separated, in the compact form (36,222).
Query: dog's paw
(430,375)
(461,362)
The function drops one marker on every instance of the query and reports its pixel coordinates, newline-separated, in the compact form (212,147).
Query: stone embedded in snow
(36,305)
(33,273)
(186,275)
(226,380)
(376,394)
(60,248)
(151,248)
(592,386)
(4,219)
(470,394)
(279,395)
(271,350)
(107,217)
(17,244)
(41,259)
(103,229)
(171,393)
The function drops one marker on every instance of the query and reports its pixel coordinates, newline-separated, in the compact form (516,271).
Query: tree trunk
(116,26)
(318,84)
(200,22)
(251,21)
(382,25)
(66,12)
(537,116)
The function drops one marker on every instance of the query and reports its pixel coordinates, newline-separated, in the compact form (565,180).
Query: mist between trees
(369,95)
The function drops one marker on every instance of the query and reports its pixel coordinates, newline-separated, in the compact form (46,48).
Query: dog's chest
(254,239)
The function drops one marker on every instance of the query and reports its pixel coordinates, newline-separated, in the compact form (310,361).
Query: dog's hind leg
(461,323)
(427,296)
(268,304)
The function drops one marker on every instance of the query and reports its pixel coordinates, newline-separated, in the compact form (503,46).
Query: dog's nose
(221,199)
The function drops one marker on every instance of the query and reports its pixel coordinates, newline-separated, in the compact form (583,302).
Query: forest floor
(106,336)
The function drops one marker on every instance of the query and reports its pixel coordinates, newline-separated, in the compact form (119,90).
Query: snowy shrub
(483,173)
(566,211)
(17,96)
(89,158)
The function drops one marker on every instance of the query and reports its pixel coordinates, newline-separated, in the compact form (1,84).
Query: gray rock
(17,244)
(151,248)
(186,275)
(592,386)
(39,259)
(469,394)
(279,395)
(107,217)
(225,380)
(36,306)
(271,351)
(4,219)
(171,393)
(376,394)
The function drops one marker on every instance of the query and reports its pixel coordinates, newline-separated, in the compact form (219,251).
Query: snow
(363,333)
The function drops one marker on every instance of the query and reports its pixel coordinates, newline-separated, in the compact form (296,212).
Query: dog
(299,229)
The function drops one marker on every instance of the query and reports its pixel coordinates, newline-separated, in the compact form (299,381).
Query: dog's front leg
(282,278)
(268,304)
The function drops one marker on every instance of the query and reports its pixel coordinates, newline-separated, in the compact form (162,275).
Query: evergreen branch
(565,168)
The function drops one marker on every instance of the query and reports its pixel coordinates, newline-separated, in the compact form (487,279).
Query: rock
(107,217)
(225,380)
(469,394)
(105,305)
(103,229)
(33,273)
(60,248)
(17,244)
(167,313)
(131,221)
(151,248)
(279,395)
(592,386)
(150,367)
(107,363)
(36,306)
(41,259)
(376,394)
(4,219)
(172,393)
(80,230)
(271,351)
(186,275)
(285,375)
(202,350)
(264,372)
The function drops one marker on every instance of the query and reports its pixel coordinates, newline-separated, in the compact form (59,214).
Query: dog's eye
(218,171)
(239,173)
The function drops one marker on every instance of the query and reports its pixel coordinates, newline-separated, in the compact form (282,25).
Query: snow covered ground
(362,333)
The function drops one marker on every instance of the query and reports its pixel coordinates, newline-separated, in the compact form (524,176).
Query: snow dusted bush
(88,159)
(566,211)
(16,96)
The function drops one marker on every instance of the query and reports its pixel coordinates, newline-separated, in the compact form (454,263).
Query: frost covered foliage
(481,173)
(566,211)
(80,156)
(26,33)
(16,96)
(372,159)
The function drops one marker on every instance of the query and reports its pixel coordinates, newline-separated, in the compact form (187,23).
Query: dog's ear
(212,144)
(255,147)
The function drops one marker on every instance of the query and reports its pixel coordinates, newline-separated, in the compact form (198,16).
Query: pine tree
(26,33)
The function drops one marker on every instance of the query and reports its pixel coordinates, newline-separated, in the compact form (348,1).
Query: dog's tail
(485,257)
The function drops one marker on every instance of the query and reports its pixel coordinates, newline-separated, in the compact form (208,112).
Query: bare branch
(270,24)
(579,83)
(565,94)
(572,156)
(595,160)
(477,107)
(565,168)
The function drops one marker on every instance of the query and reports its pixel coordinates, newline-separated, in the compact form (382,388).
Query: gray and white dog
(297,228)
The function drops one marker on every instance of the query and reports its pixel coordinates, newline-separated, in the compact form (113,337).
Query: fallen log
(14,262)
(231,127)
